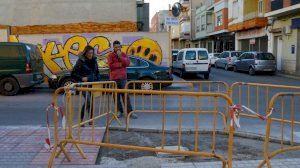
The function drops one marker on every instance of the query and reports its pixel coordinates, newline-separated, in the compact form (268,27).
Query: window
(217,55)
(143,63)
(225,55)
(265,56)
(219,20)
(180,56)
(133,62)
(198,23)
(236,54)
(260,7)
(243,56)
(203,24)
(249,56)
(190,55)
(202,55)
(235,9)
(10,51)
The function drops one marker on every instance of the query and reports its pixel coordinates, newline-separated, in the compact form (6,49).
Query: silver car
(253,62)
(226,59)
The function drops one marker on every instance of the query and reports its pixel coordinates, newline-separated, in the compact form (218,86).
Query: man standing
(118,63)
(86,70)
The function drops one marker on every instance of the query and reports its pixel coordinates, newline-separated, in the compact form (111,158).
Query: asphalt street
(28,108)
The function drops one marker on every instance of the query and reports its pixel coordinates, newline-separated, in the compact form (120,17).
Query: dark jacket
(86,68)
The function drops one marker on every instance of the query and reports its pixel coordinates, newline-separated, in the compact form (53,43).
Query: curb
(246,135)
(288,76)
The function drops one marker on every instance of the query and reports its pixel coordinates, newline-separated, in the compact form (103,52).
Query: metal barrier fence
(255,97)
(195,86)
(288,108)
(148,102)
(107,107)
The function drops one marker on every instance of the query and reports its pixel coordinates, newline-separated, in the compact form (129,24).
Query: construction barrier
(148,102)
(253,98)
(288,103)
(103,101)
(195,86)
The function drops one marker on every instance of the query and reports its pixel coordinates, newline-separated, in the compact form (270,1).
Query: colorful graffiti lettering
(74,45)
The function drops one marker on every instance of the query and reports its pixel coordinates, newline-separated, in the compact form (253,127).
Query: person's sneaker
(82,125)
(133,116)
(90,123)
(120,115)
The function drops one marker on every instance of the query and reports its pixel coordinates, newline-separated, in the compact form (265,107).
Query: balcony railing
(276,4)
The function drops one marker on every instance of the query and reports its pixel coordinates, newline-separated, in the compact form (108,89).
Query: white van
(192,61)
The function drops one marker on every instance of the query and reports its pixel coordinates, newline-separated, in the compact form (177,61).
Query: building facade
(247,21)
(142,16)
(158,21)
(67,16)
(211,26)
(284,33)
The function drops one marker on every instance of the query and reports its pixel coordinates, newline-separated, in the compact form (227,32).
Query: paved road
(29,107)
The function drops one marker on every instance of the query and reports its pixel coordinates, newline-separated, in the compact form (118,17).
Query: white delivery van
(192,61)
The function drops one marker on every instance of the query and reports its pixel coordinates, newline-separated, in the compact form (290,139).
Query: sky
(156,5)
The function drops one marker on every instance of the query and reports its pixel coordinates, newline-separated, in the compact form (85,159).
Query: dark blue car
(139,69)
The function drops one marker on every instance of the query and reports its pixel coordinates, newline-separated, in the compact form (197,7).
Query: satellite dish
(176,9)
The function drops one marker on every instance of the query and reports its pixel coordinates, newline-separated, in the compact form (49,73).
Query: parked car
(253,62)
(174,52)
(139,69)
(226,59)
(21,66)
(213,57)
(192,61)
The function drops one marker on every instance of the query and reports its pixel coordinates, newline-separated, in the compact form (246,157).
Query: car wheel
(226,67)
(206,76)
(9,86)
(273,73)
(216,65)
(251,71)
(235,69)
(67,82)
(181,74)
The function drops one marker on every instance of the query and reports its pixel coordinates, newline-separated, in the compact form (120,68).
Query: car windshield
(236,54)
(265,56)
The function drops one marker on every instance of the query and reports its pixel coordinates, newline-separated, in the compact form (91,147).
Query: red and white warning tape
(235,110)
(57,110)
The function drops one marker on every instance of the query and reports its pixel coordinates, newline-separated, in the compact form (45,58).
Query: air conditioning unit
(286,30)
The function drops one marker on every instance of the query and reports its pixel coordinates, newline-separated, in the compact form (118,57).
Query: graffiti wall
(60,51)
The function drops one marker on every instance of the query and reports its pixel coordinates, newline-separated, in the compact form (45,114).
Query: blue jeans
(121,85)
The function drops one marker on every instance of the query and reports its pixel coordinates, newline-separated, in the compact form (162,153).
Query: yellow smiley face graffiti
(146,48)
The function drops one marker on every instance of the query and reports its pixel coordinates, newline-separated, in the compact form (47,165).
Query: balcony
(185,30)
(184,17)
(209,3)
(276,4)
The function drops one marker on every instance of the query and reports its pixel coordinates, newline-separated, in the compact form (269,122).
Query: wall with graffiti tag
(60,51)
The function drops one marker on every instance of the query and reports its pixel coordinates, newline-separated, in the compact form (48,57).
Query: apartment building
(284,33)
(247,21)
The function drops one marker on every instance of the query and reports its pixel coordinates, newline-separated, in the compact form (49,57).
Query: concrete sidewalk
(24,147)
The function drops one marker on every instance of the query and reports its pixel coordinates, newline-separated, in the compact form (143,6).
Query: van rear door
(191,61)
(203,61)
(35,58)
